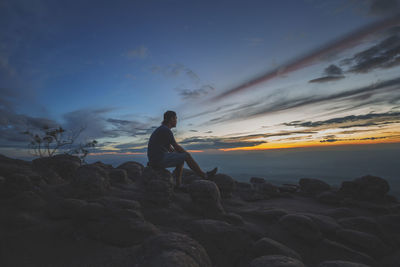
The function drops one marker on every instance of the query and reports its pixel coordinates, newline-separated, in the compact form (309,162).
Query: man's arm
(178,148)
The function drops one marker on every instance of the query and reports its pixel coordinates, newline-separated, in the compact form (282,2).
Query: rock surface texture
(58,212)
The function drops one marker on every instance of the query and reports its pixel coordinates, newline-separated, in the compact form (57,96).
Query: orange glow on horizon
(269,146)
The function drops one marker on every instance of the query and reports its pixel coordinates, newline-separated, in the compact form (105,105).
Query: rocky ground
(55,212)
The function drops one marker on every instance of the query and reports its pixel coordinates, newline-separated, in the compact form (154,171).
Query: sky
(241,75)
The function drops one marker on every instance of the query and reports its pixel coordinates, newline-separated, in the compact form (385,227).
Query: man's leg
(194,166)
(178,174)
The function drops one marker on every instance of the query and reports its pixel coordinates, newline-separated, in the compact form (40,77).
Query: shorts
(173,159)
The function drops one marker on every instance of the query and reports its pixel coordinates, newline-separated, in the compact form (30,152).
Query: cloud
(175,70)
(326,79)
(196,93)
(350,40)
(138,52)
(332,140)
(199,143)
(383,7)
(366,120)
(260,108)
(386,54)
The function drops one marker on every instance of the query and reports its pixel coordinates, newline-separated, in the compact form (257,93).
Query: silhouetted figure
(164,152)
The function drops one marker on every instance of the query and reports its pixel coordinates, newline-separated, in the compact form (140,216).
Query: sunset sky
(241,75)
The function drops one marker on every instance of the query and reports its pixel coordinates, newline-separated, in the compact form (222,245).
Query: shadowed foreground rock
(55,212)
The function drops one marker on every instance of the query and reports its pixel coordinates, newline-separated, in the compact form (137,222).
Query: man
(164,152)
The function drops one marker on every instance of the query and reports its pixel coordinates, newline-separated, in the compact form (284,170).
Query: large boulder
(91,180)
(224,243)
(206,198)
(329,250)
(327,225)
(134,169)
(118,176)
(158,185)
(365,242)
(266,246)
(276,261)
(29,201)
(64,165)
(329,197)
(302,227)
(389,225)
(124,232)
(313,186)
(370,188)
(172,250)
(341,264)
(15,184)
(225,183)
(362,224)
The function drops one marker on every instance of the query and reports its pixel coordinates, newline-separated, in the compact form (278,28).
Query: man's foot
(211,173)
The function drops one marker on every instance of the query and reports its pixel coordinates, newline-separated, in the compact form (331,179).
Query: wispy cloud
(260,108)
(138,52)
(386,54)
(334,47)
(366,120)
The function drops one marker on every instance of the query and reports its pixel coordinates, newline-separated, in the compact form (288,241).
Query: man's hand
(178,148)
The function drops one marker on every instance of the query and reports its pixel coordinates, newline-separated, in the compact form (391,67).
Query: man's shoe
(211,173)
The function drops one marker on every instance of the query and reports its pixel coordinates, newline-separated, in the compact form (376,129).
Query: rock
(225,183)
(328,250)
(21,220)
(267,190)
(257,180)
(118,203)
(242,186)
(63,165)
(118,176)
(368,243)
(120,232)
(93,211)
(206,198)
(14,184)
(172,250)
(224,243)
(361,224)
(134,169)
(190,179)
(28,200)
(301,226)
(341,264)
(65,208)
(288,188)
(276,261)
(340,213)
(267,215)
(389,225)
(267,246)
(313,186)
(370,188)
(329,197)
(325,224)
(233,219)
(158,185)
(91,180)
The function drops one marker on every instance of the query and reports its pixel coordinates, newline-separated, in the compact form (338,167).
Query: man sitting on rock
(164,152)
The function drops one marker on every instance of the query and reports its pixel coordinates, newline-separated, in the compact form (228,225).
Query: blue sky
(116,67)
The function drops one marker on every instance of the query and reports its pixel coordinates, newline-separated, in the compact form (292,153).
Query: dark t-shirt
(160,141)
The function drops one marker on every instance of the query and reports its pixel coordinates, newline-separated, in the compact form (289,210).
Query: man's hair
(168,115)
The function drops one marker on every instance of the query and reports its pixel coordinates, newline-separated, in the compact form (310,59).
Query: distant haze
(331,164)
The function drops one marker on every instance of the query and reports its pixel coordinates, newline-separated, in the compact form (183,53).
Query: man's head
(170,119)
